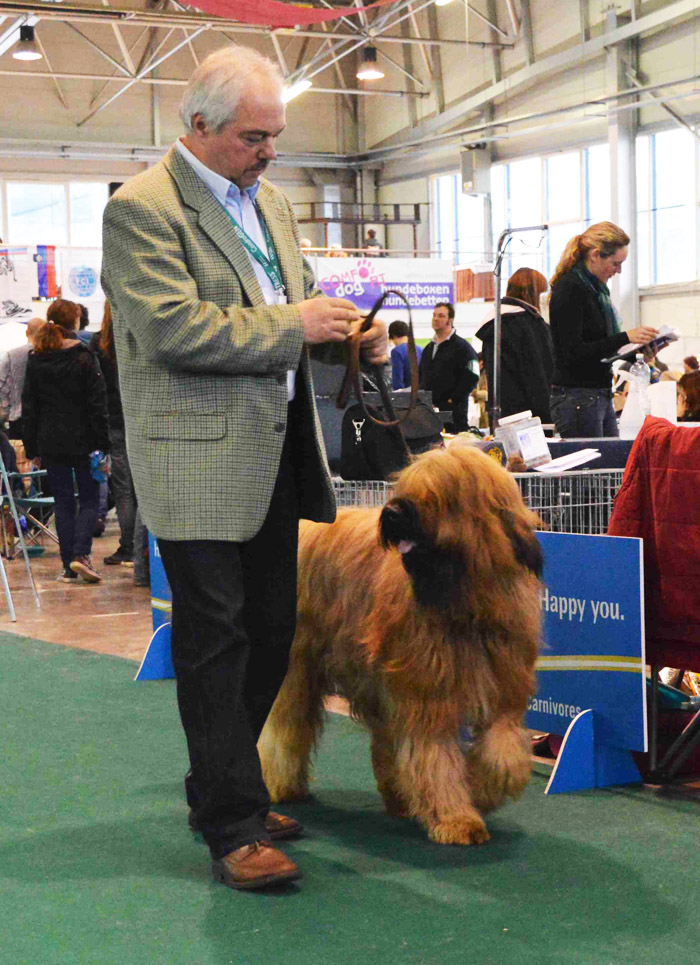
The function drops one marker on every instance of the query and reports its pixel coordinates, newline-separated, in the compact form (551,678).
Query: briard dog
(425,615)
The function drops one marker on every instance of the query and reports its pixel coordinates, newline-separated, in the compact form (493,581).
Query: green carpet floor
(97,864)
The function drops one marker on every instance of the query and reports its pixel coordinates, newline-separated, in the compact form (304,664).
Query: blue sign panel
(161,597)
(592,657)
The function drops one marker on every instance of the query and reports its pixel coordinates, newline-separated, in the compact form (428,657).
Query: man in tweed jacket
(214,316)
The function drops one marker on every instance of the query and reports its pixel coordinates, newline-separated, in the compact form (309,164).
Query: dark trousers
(74,532)
(583,413)
(233,623)
(123,490)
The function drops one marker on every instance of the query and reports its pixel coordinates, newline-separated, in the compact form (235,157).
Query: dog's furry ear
(526,546)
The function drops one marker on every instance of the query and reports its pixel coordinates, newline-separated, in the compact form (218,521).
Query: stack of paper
(562,463)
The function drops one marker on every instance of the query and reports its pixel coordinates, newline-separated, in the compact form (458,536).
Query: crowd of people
(60,396)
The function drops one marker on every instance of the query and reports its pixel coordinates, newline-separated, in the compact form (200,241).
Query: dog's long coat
(425,615)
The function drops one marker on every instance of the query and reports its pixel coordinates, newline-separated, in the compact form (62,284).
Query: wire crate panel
(373,493)
(572,502)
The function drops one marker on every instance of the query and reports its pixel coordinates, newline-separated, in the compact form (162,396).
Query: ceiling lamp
(26,48)
(442,3)
(368,69)
(289,93)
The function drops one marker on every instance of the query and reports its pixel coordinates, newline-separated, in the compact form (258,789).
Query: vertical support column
(622,127)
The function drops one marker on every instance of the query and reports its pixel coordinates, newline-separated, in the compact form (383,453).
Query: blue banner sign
(161,597)
(592,656)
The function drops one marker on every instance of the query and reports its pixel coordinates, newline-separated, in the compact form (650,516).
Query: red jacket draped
(659,500)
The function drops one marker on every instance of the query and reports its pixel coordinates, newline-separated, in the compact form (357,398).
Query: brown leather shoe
(256,865)
(278,826)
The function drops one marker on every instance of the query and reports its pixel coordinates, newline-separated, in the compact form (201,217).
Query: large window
(36,213)
(44,212)
(87,202)
(666,207)
(458,225)
(566,191)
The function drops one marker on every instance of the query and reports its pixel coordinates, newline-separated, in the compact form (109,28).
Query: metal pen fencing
(570,502)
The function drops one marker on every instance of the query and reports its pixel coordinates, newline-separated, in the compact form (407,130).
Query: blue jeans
(583,413)
(74,532)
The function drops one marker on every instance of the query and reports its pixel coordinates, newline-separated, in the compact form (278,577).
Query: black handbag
(371,450)
(373,446)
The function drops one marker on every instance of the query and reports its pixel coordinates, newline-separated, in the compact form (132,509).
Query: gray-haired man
(214,317)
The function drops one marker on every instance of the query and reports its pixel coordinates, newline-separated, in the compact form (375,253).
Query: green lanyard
(271,265)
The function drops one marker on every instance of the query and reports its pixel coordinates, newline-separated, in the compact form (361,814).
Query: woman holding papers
(585,329)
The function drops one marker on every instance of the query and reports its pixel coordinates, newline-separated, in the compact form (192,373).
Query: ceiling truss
(147,38)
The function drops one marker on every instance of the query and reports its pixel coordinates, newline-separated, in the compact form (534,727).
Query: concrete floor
(113,616)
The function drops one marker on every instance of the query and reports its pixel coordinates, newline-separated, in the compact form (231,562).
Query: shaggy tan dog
(425,615)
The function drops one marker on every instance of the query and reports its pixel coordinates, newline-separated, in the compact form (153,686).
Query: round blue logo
(83,280)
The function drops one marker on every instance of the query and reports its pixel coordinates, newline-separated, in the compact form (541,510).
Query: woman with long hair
(64,420)
(527,360)
(102,343)
(585,329)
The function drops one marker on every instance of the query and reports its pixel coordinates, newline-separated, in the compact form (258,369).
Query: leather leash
(352,377)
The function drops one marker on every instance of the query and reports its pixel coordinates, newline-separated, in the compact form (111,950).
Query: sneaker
(100,527)
(120,558)
(141,581)
(67,576)
(83,566)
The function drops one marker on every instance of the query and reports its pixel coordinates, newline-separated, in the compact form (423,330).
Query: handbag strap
(352,378)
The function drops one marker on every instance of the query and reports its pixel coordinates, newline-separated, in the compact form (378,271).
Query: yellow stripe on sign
(164,605)
(591,662)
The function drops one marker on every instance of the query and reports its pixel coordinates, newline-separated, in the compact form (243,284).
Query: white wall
(679,307)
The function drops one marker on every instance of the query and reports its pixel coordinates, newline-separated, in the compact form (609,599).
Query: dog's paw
(490,787)
(498,772)
(460,831)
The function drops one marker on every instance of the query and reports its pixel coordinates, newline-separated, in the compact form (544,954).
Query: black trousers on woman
(233,623)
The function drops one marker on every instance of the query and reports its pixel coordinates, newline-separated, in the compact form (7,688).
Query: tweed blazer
(203,359)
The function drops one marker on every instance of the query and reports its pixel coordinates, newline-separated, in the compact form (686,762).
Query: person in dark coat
(585,329)
(445,367)
(527,357)
(64,420)
(133,539)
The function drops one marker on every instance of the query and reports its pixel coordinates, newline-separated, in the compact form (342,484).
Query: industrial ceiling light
(289,93)
(368,69)
(26,48)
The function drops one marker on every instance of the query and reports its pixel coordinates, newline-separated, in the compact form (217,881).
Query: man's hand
(373,344)
(327,319)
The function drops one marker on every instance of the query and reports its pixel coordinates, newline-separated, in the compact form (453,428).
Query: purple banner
(363,283)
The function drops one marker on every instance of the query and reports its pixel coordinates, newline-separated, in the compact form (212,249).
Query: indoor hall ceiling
(95,52)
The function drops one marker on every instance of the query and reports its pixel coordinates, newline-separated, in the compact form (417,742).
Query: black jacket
(111,374)
(64,404)
(447,373)
(580,336)
(527,359)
